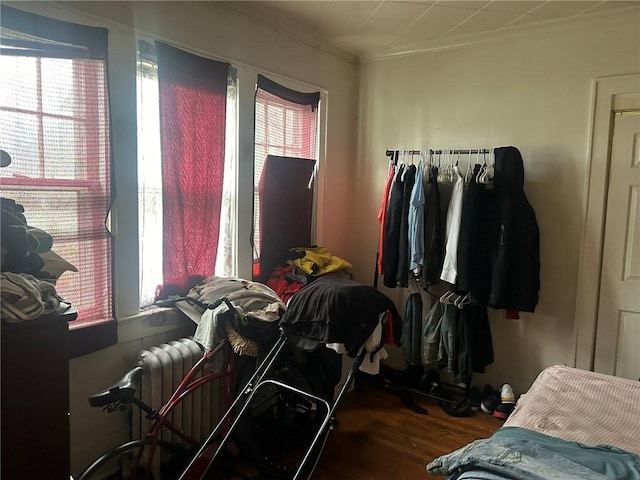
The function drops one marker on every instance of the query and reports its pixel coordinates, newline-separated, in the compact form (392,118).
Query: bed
(571,424)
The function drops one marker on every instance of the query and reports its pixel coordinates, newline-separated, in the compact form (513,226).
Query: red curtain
(193,92)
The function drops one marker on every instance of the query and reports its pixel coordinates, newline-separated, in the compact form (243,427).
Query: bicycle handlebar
(170,302)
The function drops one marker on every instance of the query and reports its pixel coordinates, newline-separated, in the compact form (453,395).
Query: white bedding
(582,406)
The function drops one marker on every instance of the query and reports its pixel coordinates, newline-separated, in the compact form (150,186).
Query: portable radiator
(165,366)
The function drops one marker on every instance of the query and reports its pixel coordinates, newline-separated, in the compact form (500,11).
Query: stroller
(291,433)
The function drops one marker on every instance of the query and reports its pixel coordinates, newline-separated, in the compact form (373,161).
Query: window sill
(152,320)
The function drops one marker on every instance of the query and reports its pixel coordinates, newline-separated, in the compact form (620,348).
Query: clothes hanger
(442,176)
(483,167)
(487,174)
(454,172)
(449,297)
(469,173)
(404,170)
(448,167)
(462,301)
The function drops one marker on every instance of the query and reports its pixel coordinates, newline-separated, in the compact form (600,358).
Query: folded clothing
(24,297)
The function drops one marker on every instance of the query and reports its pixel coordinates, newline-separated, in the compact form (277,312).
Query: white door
(617,347)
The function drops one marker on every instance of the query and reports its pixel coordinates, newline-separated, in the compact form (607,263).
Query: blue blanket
(522,454)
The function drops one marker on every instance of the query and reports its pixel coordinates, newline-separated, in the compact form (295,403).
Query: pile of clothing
(299,266)
(29,268)
(254,323)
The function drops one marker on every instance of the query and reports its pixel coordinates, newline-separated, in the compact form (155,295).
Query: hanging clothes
(448,351)
(515,267)
(454,215)
(382,216)
(474,268)
(412,330)
(431,335)
(402,273)
(474,344)
(392,229)
(433,233)
(416,224)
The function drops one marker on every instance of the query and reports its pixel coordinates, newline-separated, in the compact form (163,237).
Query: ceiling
(365,28)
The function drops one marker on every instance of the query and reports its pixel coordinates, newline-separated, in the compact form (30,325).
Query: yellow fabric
(318,261)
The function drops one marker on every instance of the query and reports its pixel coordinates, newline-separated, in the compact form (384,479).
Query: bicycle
(275,415)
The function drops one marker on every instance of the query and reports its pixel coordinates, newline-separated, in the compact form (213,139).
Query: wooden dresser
(35,398)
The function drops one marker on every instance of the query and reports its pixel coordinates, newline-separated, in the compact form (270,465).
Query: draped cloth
(335,310)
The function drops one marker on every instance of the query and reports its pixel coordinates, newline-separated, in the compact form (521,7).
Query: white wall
(207,30)
(533,91)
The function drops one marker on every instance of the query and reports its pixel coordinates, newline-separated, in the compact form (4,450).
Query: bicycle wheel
(169,459)
(279,425)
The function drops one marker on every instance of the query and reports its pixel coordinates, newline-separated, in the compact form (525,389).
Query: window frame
(46,39)
(269,100)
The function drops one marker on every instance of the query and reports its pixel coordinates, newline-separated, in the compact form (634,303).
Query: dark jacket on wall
(435,215)
(474,266)
(515,241)
(392,227)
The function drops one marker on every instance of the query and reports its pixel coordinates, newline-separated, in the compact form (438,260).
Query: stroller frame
(203,459)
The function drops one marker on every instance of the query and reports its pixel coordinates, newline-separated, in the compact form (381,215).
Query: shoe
(457,410)
(429,381)
(503,410)
(490,402)
(506,394)
(475,399)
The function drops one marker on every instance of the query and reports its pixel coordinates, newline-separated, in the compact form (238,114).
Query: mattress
(582,406)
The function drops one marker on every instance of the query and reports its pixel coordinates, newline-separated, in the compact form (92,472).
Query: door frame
(604,90)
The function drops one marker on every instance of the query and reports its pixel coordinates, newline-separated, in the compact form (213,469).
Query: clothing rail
(469,151)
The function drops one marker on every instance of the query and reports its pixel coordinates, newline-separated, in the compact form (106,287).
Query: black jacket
(515,279)
(474,266)
(336,310)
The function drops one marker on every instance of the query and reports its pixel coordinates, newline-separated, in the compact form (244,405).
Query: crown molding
(287,27)
(631,14)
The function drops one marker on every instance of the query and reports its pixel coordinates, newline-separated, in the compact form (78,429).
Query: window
(286,124)
(151,186)
(54,122)
(149,175)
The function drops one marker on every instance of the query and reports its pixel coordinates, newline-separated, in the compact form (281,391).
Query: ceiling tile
(464,29)
(491,20)
(513,5)
(421,32)
(445,15)
(365,42)
(472,4)
(376,26)
(609,6)
(528,19)
(561,8)
(350,8)
(401,10)
(339,26)
(304,9)
(367,25)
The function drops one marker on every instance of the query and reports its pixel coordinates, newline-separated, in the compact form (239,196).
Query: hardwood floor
(380,438)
